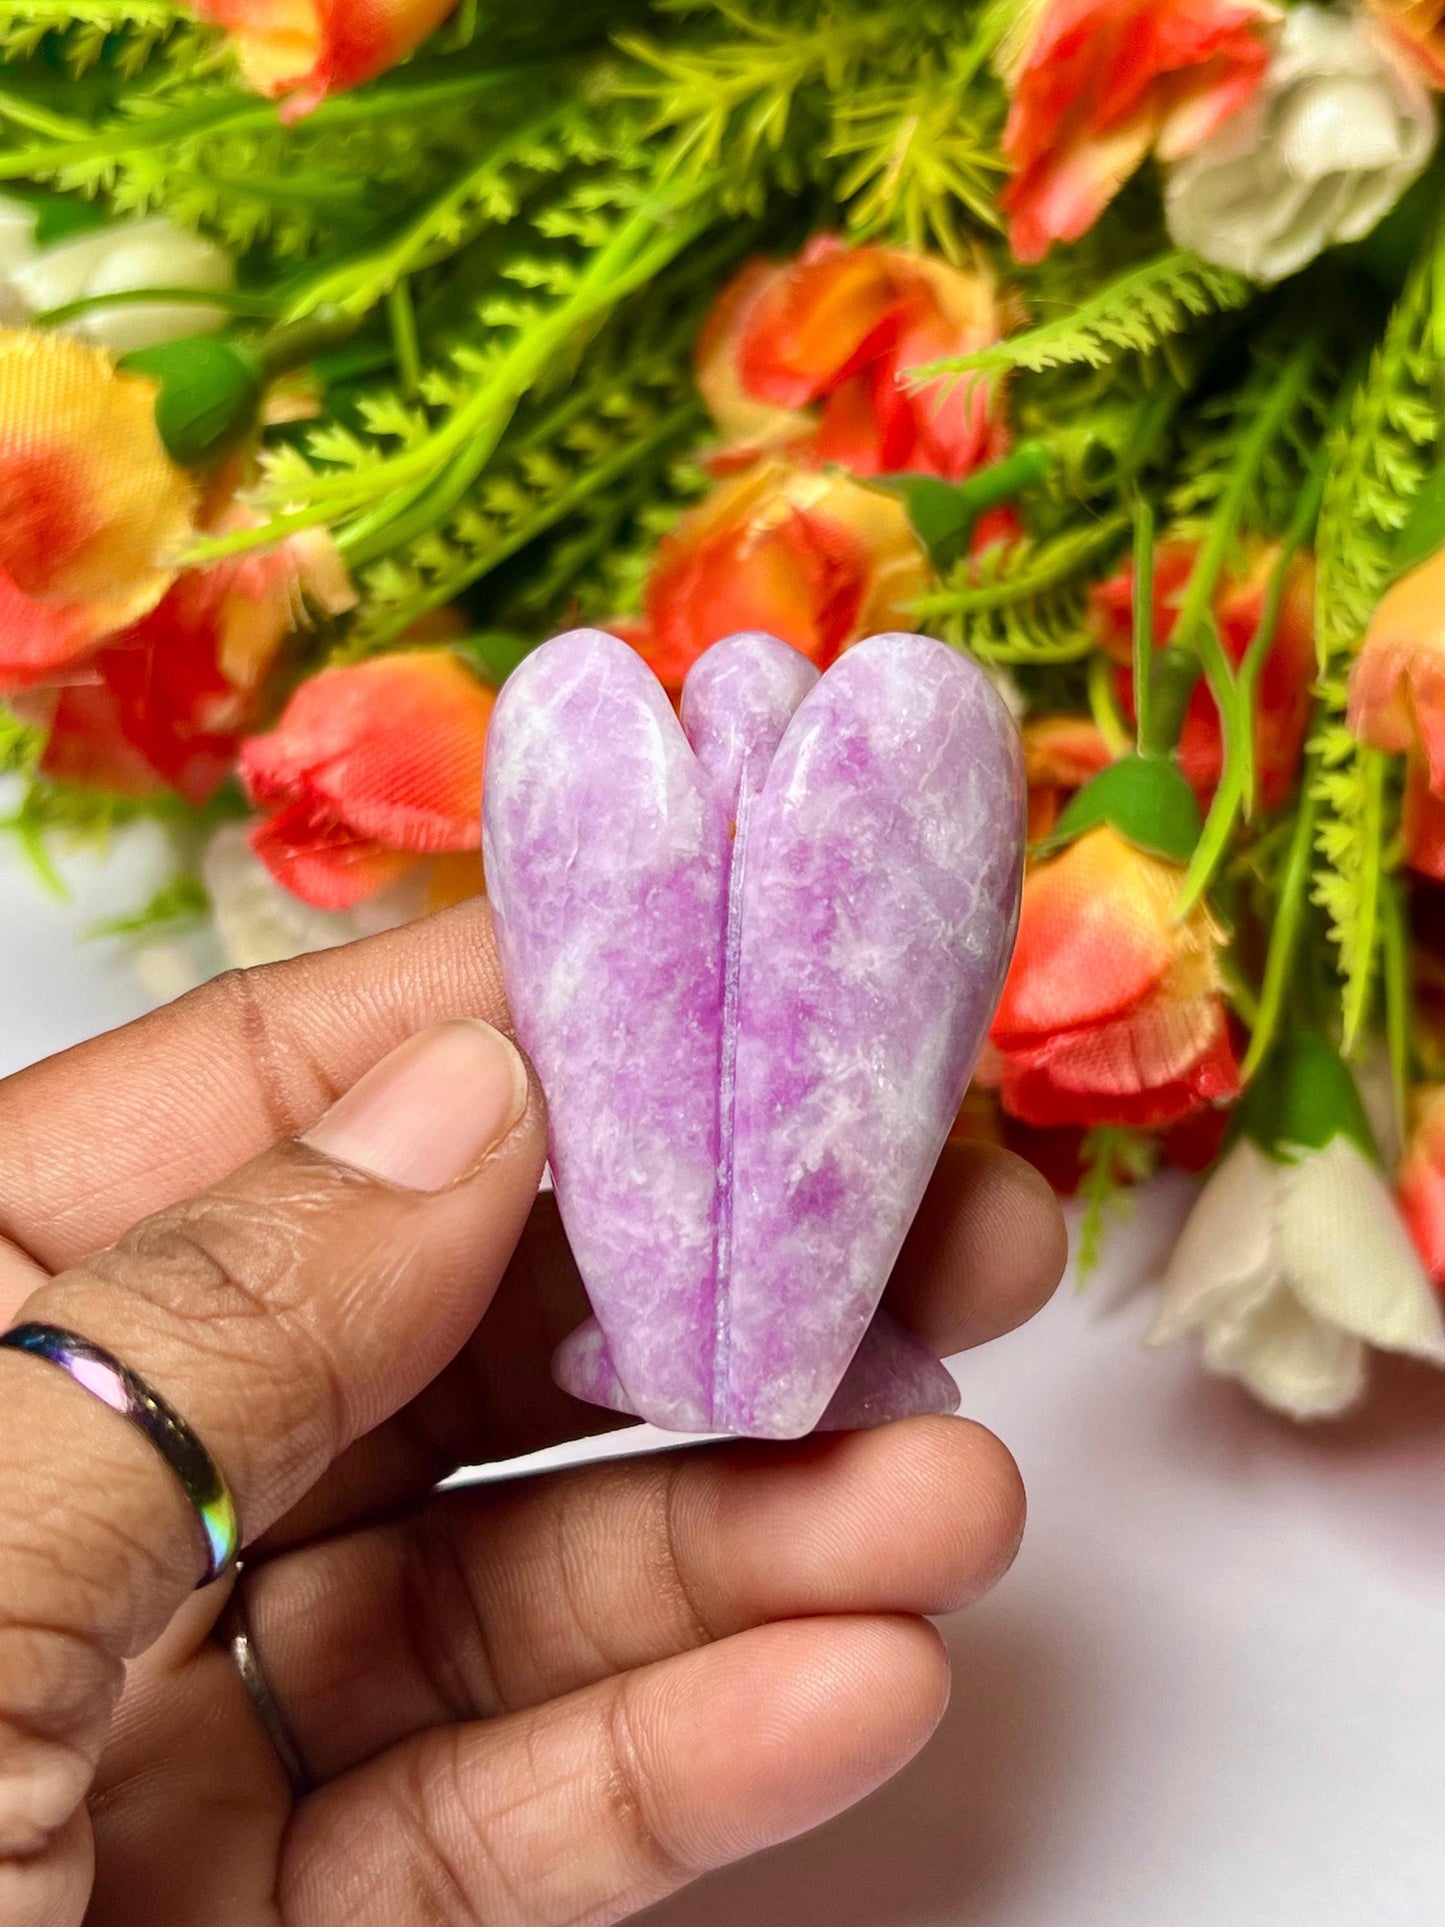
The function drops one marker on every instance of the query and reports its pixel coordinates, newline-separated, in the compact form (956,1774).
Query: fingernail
(428,1114)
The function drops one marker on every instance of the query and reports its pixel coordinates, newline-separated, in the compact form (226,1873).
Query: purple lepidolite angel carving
(753,956)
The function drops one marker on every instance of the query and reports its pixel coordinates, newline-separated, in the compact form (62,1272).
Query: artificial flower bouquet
(353,347)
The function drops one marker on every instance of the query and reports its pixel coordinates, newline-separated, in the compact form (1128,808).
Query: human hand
(546,1701)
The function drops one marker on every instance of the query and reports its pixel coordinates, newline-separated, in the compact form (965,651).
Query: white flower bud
(1339,129)
(117,259)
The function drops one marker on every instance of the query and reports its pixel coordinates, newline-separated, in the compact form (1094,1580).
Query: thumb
(281,1314)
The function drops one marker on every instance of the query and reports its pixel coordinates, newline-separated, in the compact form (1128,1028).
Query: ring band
(117,1386)
(233,1631)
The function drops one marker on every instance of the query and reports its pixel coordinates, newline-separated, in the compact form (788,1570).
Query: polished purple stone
(753,957)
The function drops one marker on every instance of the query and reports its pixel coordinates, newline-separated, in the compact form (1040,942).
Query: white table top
(1211,1693)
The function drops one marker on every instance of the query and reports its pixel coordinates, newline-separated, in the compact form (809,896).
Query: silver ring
(233,1631)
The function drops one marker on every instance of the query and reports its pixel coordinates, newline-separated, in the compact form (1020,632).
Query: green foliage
(1024,602)
(1379,457)
(21,744)
(180,905)
(1113,1161)
(922,154)
(1134,314)
(78,34)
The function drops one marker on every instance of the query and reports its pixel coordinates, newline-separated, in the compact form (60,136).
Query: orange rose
(92,510)
(1397,686)
(808,357)
(1282,694)
(1061,753)
(303,50)
(372,767)
(1419,27)
(1420,1184)
(1103,83)
(815,559)
(1112,1012)
(167,700)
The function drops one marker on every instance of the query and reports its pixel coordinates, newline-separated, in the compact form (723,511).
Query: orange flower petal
(389,750)
(92,509)
(1421,1180)
(1159,1064)
(817,560)
(322,862)
(304,50)
(1101,82)
(1096,937)
(1397,686)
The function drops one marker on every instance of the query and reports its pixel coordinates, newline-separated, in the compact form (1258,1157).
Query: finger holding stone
(491,1600)
(282,1314)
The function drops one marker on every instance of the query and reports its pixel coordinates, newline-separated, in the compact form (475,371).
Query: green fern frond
(78,34)
(1379,458)
(608,443)
(1113,1161)
(736,109)
(1134,314)
(1023,602)
(921,151)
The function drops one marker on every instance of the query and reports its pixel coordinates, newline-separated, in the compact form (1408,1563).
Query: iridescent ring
(117,1386)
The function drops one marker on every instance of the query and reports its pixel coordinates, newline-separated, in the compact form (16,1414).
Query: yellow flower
(93,512)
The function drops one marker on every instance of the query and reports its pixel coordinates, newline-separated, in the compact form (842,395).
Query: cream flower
(1338,131)
(1290,1266)
(120,258)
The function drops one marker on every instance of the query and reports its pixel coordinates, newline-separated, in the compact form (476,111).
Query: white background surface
(1212,1692)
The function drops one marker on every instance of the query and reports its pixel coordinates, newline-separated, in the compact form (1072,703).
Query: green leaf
(1144,798)
(210,395)
(1303,1097)
(495,653)
(1423,535)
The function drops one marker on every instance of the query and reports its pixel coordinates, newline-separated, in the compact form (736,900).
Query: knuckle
(57,1692)
(674,1570)
(445,1625)
(632,1804)
(438,1894)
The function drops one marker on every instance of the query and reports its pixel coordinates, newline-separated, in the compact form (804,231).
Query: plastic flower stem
(680,424)
(39,120)
(1373,766)
(1104,709)
(1144,625)
(1288,917)
(357,285)
(410,492)
(237,301)
(1395,956)
(239,110)
(442,469)
(401,315)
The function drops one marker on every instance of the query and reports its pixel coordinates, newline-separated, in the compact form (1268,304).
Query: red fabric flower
(1112,1012)
(1061,754)
(1101,84)
(1421,1180)
(304,50)
(371,767)
(166,702)
(1282,694)
(808,357)
(815,559)
(92,510)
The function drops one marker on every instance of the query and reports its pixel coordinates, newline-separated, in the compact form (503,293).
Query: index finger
(114,1130)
